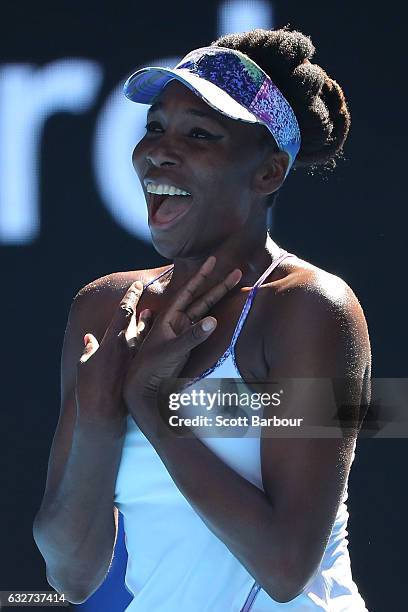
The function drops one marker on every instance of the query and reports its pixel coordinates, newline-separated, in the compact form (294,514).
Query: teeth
(166,189)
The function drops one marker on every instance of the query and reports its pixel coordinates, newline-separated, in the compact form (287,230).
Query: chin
(172,248)
(167,248)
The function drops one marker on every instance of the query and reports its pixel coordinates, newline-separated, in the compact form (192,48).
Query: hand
(102,367)
(172,336)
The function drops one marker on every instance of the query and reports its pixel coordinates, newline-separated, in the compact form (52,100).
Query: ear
(271,173)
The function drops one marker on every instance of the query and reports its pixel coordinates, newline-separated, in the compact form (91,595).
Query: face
(214,158)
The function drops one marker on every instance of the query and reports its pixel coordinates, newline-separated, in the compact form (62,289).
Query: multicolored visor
(231,83)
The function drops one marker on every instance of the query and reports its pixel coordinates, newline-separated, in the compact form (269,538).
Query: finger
(131,331)
(137,332)
(124,312)
(91,346)
(206,301)
(132,296)
(196,335)
(145,321)
(187,294)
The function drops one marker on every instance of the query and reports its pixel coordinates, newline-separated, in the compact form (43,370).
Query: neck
(252,260)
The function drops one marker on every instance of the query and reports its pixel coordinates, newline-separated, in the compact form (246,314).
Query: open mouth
(164,208)
(156,201)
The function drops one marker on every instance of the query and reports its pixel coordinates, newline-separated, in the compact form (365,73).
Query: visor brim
(145,85)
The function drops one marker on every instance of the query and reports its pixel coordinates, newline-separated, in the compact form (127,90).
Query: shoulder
(116,283)
(305,284)
(95,303)
(315,309)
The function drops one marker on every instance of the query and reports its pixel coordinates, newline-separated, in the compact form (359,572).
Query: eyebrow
(189,111)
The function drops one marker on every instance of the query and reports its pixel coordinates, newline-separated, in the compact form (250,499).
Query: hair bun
(317,100)
(334,99)
(292,47)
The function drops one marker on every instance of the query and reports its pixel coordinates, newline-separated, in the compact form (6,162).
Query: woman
(256,521)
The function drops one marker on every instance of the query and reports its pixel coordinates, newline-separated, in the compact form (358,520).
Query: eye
(155,127)
(201,133)
(150,126)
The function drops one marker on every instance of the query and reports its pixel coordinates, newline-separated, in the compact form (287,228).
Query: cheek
(229,180)
(218,172)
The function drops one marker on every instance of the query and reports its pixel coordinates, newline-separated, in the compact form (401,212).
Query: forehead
(177,97)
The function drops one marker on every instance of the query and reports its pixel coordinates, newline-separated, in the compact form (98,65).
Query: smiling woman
(221,156)
(253,520)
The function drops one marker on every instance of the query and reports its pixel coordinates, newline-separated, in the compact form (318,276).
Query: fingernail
(207,325)
(138,285)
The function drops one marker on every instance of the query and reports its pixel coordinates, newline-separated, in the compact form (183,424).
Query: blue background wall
(71,211)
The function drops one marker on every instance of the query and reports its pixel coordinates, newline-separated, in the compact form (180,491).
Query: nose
(161,154)
(158,162)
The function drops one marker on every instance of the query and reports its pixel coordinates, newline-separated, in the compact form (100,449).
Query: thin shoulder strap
(252,293)
(159,276)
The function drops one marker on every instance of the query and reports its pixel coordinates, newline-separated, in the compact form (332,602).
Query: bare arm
(75,528)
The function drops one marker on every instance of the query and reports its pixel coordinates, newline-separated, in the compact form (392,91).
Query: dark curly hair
(317,100)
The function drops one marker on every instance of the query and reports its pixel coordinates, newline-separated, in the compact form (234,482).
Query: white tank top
(175,562)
